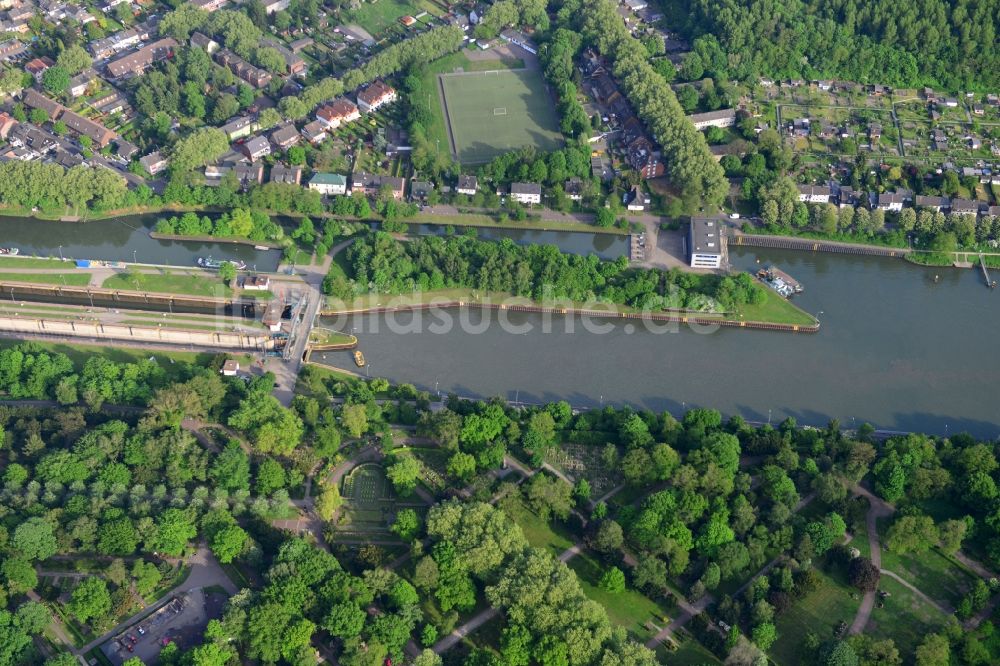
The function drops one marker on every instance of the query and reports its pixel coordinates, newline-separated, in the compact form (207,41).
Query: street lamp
(61,258)
(135,259)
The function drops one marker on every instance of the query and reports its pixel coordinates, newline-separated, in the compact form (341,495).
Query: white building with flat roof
(706,243)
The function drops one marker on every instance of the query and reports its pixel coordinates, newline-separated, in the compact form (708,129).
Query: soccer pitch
(489,113)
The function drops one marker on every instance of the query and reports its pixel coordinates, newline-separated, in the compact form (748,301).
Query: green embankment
(165,283)
(68,279)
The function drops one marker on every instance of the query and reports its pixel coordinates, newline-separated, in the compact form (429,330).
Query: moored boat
(208,262)
(10,251)
(779,281)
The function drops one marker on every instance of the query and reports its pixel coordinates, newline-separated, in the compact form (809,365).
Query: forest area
(950,44)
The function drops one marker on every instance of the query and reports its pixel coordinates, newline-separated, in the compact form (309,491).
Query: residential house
(79,84)
(635,199)
(314,132)
(339,112)
(246,174)
(33,139)
(300,45)
(937,204)
(272,6)
(6,124)
(36,100)
(420,190)
(256,148)
(118,42)
(237,128)
(125,150)
(467,185)
(111,103)
(375,96)
(965,207)
(848,197)
(12,49)
(98,133)
(295,63)
(526,193)
(255,76)
(204,42)
(706,243)
(154,163)
(891,201)
(38,66)
(393,185)
(328,184)
(285,136)
(573,189)
(814,194)
(720,118)
(518,38)
(209,5)
(137,62)
(286,175)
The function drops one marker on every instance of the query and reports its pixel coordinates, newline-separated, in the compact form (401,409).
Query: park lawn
(494,112)
(778,310)
(819,612)
(169,283)
(30,262)
(377,16)
(69,279)
(689,653)
(905,618)
(630,609)
(538,533)
(933,573)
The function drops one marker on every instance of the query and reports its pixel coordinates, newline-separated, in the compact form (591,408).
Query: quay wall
(134,334)
(813,245)
(648,316)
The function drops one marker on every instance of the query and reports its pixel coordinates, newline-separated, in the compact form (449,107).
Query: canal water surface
(897,348)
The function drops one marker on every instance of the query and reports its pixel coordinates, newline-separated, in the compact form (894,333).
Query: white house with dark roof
(526,193)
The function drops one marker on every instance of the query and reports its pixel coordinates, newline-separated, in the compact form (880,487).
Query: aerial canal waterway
(897,348)
(122,239)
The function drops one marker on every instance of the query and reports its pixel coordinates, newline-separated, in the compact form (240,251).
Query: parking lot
(181,621)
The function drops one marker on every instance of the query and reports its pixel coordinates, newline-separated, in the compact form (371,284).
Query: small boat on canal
(208,262)
(779,281)
(9,251)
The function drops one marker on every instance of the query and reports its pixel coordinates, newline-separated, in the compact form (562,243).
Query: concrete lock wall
(126,332)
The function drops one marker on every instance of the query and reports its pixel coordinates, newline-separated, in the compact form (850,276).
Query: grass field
(905,618)
(30,262)
(938,577)
(630,608)
(188,285)
(819,612)
(69,279)
(538,533)
(778,310)
(494,112)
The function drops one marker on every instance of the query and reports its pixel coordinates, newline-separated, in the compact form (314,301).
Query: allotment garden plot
(370,503)
(493,112)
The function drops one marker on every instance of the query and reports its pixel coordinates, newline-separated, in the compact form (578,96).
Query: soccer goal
(500,111)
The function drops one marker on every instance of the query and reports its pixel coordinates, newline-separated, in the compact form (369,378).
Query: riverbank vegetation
(252,224)
(380,264)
